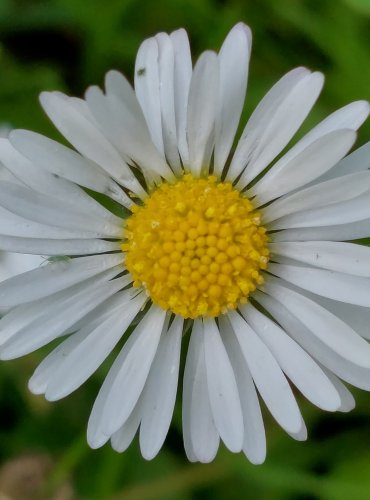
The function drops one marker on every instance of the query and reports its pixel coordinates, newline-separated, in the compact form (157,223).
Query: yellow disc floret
(196,246)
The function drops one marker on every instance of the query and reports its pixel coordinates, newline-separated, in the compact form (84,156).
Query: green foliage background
(69,44)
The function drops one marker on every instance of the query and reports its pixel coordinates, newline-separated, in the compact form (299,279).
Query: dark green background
(69,44)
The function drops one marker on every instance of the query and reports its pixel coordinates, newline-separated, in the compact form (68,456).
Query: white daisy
(253,263)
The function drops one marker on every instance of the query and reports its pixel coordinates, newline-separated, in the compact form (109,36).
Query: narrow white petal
(357,317)
(301,435)
(203,97)
(160,391)
(223,391)
(47,183)
(25,314)
(325,354)
(87,356)
(267,375)
(263,112)
(122,438)
(43,373)
(254,445)
(336,286)
(41,376)
(346,398)
(274,122)
(357,161)
(166,69)
(349,117)
(311,162)
(96,437)
(201,438)
(337,256)
(147,89)
(66,163)
(45,209)
(342,232)
(53,277)
(14,225)
(324,325)
(12,264)
(54,322)
(117,84)
(320,195)
(84,135)
(351,210)
(302,370)
(41,246)
(128,133)
(182,77)
(187,390)
(131,377)
(234,62)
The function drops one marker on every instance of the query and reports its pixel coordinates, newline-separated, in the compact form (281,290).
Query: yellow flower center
(196,246)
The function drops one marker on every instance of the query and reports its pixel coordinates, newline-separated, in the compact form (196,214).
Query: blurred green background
(69,44)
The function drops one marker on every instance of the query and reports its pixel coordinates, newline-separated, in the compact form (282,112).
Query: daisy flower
(172,230)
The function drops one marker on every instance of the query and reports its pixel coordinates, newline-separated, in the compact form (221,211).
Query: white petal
(311,162)
(320,195)
(122,438)
(54,321)
(187,391)
(117,85)
(201,438)
(324,325)
(352,210)
(351,231)
(302,370)
(131,377)
(336,286)
(267,375)
(46,183)
(234,62)
(13,225)
(25,314)
(274,122)
(43,373)
(182,77)
(160,391)
(41,376)
(223,391)
(357,161)
(254,445)
(347,400)
(45,209)
(66,163)
(357,317)
(84,135)
(39,246)
(349,117)
(12,264)
(346,370)
(202,108)
(337,256)
(96,436)
(53,277)
(127,132)
(166,68)
(88,355)
(147,89)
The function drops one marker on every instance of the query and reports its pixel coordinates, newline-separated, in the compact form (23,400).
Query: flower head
(195,234)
